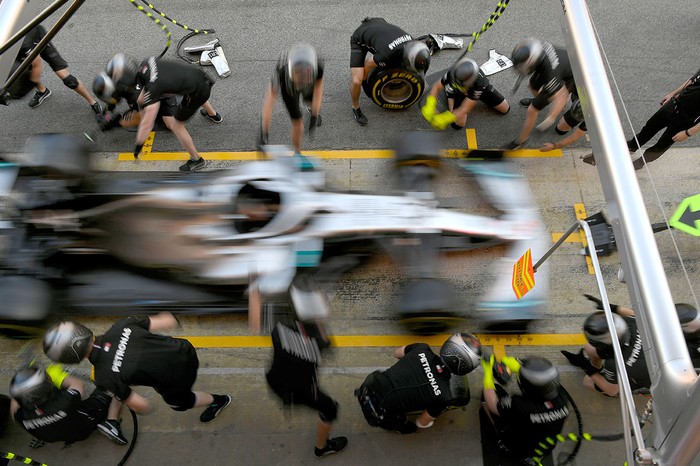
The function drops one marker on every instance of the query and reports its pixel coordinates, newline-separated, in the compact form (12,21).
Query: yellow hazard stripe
(323,154)
(354,341)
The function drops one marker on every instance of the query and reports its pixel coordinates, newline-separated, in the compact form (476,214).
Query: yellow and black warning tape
(22,459)
(157,19)
(500,8)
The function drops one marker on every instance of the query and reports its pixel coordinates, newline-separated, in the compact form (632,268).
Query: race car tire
(25,306)
(427,307)
(59,154)
(393,88)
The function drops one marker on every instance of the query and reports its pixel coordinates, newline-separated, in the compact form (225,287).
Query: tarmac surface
(648,57)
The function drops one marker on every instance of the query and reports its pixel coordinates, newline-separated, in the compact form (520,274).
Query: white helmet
(67,342)
(461,353)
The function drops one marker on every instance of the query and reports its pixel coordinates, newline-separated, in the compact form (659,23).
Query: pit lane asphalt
(649,59)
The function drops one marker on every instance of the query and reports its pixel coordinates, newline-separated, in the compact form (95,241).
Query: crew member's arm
(608,388)
(577,134)
(137,403)
(437,88)
(14,406)
(463,110)
(557,103)
(685,134)
(62,380)
(317,98)
(162,321)
(671,95)
(490,396)
(148,116)
(530,120)
(268,106)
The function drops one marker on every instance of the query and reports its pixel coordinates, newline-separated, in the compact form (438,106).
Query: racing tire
(393,88)
(25,306)
(426,307)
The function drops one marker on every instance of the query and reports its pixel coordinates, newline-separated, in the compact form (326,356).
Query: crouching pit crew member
(49,405)
(128,354)
(464,84)
(597,358)
(391,46)
(524,426)
(418,382)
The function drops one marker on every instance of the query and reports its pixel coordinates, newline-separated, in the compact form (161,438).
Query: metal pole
(667,356)
(556,245)
(42,44)
(13,15)
(29,26)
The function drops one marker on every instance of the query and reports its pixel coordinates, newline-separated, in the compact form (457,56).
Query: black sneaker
(333,445)
(39,97)
(216,118)
(214,409)
(193,165)
(319,121)
(589,159)
(514,145)
(526,101)
(113,431)
(360,117)
(96,107)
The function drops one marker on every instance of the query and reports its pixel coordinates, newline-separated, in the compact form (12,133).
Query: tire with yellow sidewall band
(393,88)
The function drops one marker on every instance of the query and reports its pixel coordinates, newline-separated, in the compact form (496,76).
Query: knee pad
(560,132)
(71,82)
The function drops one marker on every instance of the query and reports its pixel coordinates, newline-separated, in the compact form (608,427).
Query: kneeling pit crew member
(128,354)
(464,84)
(597,357)
(525,425)
(49,405)
(419,381)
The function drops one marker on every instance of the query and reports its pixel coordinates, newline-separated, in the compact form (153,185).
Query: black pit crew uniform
(64,416)
(481,89)
(282,84)
(635,363)
(130,93)
(160,79)
(292,376)
(527,426)
(128,354)
(678,114)
(418,381)
(385,41)
(551,74)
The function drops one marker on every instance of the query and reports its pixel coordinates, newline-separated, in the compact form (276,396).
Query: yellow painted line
(471,138)
(580,215)
(354,341)
(148,144)
(324,154)
(573,238)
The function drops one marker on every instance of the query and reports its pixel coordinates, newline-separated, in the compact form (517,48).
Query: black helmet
(690,320)
(302,65)
(527,55)
(595,328)
(67,342)
(122,68)
(463,74)
(416,56)
(461,353)
(538,377)
(29,386)
(103,87)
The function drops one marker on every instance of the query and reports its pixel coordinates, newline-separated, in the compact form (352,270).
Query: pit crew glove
(443,120)
(428,110)
(137,150)
(57,374)
(108,120)
(581,360)
(599,303)
(515,145)
(487,363)
(262,138)
(511,363)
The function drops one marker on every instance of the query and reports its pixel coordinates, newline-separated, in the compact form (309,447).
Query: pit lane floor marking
(322,154)
(471,138)
(580,210)
(498,342)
